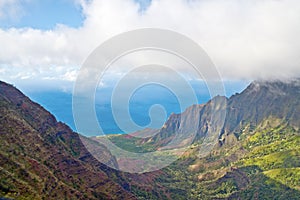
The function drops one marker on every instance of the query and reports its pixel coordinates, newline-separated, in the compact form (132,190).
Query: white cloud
(246,39)
(70,75)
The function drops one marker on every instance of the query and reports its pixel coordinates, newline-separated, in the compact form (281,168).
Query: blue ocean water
(59,103)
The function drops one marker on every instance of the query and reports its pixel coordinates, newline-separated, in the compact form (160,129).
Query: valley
(256,153)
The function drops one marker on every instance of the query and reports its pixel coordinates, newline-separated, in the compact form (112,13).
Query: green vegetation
(286,176)
(257,158)
(132,144)
(263,164)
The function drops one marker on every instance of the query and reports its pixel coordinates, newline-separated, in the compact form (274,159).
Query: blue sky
(45,14)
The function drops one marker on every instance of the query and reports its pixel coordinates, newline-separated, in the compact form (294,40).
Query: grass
(286,176)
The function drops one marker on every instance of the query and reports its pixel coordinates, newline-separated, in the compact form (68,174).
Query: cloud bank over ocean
(245,39)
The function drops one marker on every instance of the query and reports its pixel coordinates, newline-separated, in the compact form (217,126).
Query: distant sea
(59,103)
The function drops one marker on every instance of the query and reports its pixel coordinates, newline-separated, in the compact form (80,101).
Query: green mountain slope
(41,158)
(256,156)
(258,152)
(264,164)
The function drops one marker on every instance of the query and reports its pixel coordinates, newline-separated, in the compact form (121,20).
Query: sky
(44,43)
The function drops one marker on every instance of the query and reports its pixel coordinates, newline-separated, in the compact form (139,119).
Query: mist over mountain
(150,99)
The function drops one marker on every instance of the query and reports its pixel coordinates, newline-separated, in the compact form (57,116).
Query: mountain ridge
(256,153)
(258,101)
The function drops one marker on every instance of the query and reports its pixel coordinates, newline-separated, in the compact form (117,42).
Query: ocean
(59,103)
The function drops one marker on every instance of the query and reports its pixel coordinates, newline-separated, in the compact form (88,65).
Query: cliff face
(222,116)
(261,100)
(194,123)
(42,158)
